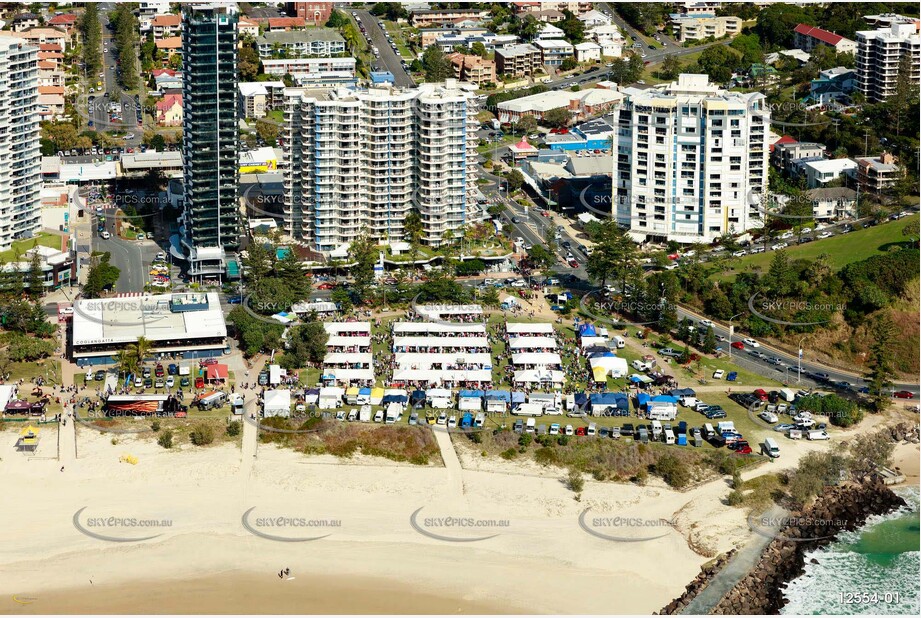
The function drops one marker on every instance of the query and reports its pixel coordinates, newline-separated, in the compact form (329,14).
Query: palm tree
(141,349)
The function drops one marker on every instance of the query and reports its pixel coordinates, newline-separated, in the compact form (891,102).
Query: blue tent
(642,399)
(587,330)
(364,391)
(394,399)
(603,399)
(664,399)
(518,397)
(682,392)
(505,396)
(476,393)
(417,396)
(623,403)
(581,400)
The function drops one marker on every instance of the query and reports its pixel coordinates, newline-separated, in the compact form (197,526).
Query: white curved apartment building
(360,160)
(20,146)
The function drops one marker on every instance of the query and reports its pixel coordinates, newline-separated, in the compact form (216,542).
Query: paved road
(389,60)
(132,257)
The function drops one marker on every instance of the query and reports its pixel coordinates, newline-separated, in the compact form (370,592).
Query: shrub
(545,440)
(734,498)
(737,481)
(672,471)
(562,440)
(525,440)
(640,477)
(509,454)
(476,437)
(575,482)
(233,428)
(545,455)
(155,425)
(166,439)
(202,435)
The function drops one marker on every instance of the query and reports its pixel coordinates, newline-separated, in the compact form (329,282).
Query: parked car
(903,395)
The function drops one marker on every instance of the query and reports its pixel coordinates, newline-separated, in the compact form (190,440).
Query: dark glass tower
(210,139)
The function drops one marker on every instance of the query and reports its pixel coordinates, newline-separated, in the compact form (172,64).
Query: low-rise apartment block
(473,69)
(699,28)
(518,60)
(808,38)
(312,43)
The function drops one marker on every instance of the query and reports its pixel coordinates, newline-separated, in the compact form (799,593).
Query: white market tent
(614,366)
(532,343)
(330,397)
(277,403)
(531,328)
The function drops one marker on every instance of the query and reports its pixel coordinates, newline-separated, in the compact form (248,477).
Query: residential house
(473,69)
(51,102)
(247,27)
(581,104)
(594,18)
(518,60)
(554,51)
(587,51)
(166,26)
(285,24)
(833,85)
(808,38)
(786,155)
(832,202)
(549,31)
(65,21)
(25,21)
(878,174)
(429,36)
(170,46)
(50,73)
(38,36)
(169,110)
(575,7)
(609,38)
(549,16)
(820,173)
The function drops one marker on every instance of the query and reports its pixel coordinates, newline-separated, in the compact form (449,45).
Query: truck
(787,394)
(619,341)
(236,403)
(769,448)
(669,436)
(496,125)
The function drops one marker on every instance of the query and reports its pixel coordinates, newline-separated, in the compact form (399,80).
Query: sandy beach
(371,557)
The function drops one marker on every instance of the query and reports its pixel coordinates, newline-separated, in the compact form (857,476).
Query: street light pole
(799,361)
(731,331)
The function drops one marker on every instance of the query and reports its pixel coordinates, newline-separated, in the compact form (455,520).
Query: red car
(904,394)
(738,345)
(761,394)
(580,431)
(208,361)
(573,264)
(326,286)
(745,450)
(545,213)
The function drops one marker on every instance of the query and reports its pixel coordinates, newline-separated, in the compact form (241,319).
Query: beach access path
(454,481)
(738,567)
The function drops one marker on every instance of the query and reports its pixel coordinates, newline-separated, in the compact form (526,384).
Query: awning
(599,373)
(352,392)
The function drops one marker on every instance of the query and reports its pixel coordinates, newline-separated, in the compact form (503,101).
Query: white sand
(542,562)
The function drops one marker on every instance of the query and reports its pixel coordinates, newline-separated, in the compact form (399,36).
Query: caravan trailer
(619,342)
(669,436)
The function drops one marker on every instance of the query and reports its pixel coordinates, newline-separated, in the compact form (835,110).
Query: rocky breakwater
(837,509)
(707,572)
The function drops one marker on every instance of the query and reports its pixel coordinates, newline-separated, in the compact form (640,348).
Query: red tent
(217,372)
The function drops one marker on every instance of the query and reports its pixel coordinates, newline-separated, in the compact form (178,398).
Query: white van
(817,434)
(619,341)
(656,429)
(592,430)
(769,447)
(669,436)
(531,425)
(379,416)
(708,431)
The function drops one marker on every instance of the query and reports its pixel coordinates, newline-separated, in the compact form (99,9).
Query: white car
(739,253)
(707,323)
(779,246)
(768,417)
(825,235)
(518,283)
(751,342)
(671,266)
(442,419)
(786,235)
(718,374)
(806,230)
(170,382)
(161,257)
(105,235)
(452,422)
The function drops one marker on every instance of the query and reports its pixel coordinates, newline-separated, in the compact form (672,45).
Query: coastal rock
(839,508)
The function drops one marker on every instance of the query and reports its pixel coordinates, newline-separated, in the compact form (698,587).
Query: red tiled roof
(51,90)
(287,22)
(166,20)
(67,19)
(817,33)
(217,372)
(170,42)
(786,139)
(50,47)
(167,102)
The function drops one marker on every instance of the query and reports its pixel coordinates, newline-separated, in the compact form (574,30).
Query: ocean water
(872,570)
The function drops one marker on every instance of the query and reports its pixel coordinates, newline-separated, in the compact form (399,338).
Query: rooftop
(300,36)
(817,33)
